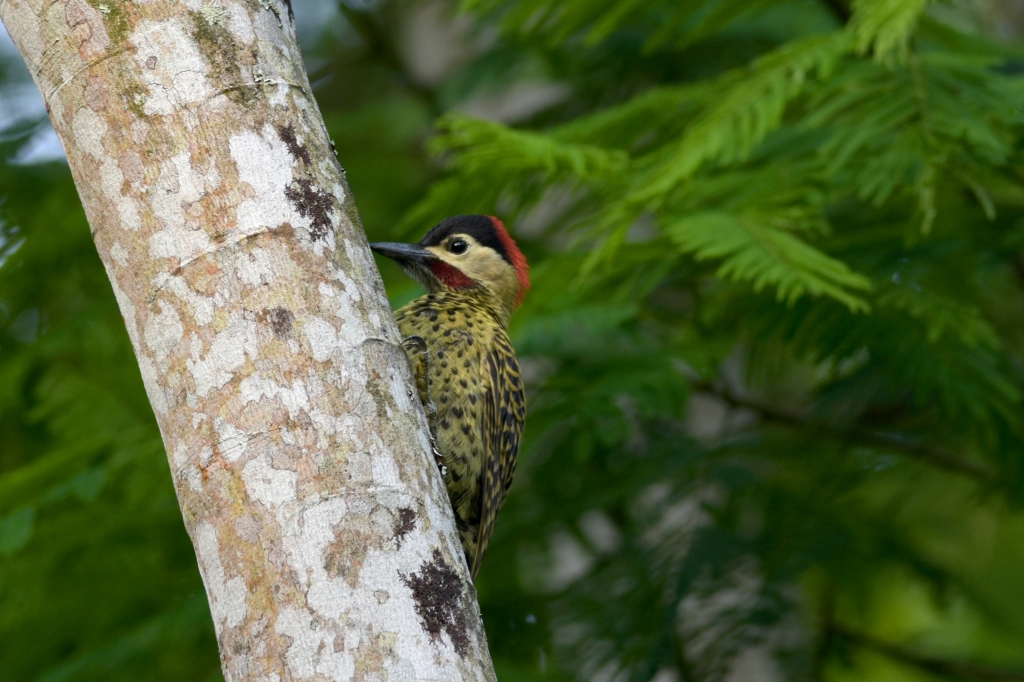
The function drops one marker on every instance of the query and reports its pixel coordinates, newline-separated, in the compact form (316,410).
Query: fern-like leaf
(884,27)
(755,251)
(483,145)
(941,315)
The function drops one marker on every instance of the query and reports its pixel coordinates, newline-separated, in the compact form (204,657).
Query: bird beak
(403,253)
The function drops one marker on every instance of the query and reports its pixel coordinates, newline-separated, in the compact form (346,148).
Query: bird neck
(483,299)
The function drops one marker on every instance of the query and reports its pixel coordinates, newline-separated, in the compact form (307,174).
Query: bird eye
(458,247)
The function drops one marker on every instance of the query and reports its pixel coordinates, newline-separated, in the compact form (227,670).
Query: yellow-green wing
(503,416)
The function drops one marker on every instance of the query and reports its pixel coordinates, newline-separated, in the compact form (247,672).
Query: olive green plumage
(464,364)
(476,406)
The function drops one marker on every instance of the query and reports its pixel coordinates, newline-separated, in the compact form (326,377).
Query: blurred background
(774,348)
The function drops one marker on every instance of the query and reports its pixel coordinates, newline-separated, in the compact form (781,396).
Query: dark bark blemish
(405,523)
(344,556)
(438,593)
(312,203)
(298,152)
(281,320)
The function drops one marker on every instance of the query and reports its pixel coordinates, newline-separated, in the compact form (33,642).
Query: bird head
(466,252)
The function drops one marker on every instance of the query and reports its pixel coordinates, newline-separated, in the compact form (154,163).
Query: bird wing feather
(503,415)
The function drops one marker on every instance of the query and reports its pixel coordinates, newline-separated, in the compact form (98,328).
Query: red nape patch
(514,255)
(450,276)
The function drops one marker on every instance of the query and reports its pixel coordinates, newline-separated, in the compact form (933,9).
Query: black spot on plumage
(482,408)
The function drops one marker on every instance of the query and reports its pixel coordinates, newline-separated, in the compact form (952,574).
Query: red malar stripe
(450,276)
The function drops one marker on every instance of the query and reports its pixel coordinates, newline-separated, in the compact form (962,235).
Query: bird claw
(438,457)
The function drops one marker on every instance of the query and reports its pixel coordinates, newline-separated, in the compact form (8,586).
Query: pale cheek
(496,273)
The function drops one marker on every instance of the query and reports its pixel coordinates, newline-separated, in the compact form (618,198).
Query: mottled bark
(297,445)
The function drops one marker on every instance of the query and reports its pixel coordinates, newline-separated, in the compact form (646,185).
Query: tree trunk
(298,448)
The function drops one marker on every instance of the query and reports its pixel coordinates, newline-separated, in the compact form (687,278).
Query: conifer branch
(926,453)
(840,9)
(944,667)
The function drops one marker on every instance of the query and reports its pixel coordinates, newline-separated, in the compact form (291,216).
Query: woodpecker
(466,371)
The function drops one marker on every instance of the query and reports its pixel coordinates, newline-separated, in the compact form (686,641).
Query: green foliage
(758,248)
(773,349)
(884,27)
(811,403)
(487,145)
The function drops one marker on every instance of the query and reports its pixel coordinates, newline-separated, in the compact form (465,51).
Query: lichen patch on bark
(314,204)
(282,321)
(264,162)
(298,151)
(178,75)
(404,524)
(227,595)
(438,591)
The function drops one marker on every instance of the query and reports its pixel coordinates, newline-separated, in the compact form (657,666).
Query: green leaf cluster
(772,342)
